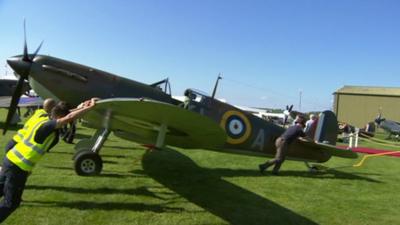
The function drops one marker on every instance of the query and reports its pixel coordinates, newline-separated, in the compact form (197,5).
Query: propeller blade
(285,120)
(290,108)
(26,57)
(14,103)
(380,112)
(36,52)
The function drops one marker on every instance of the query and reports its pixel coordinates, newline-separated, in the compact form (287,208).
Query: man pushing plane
(40,134)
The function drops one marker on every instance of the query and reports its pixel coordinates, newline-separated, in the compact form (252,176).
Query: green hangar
(358,105)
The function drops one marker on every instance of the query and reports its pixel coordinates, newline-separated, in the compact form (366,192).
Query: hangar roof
(366,90)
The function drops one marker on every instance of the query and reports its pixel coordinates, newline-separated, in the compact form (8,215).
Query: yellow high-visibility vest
(26,153)
(21,132)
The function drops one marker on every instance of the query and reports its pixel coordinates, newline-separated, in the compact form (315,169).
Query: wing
(331,149)
(140,120)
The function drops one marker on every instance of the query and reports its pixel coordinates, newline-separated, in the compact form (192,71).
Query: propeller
(379,119)
(287,113)
(22,66)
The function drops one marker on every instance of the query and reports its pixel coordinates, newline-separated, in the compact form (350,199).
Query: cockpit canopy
(197,95)
(163,85)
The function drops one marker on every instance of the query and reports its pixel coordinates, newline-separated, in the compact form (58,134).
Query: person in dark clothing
(67,133)
(283,143)
(41,135)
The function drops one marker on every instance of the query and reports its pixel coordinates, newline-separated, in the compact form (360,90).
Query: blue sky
(267,51)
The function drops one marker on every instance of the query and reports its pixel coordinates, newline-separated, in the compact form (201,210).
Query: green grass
(177,186)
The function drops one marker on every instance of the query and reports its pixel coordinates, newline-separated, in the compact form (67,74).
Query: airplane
(7,87)
(24,101)
(148,114)
(283,118)
(390,126)
(277,118)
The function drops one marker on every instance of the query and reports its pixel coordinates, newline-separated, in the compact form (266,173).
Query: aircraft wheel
(313,169)
(87,163)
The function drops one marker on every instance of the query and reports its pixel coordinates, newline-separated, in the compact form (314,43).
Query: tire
(87,163)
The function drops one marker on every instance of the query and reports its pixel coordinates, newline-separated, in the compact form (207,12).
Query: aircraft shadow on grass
(82,136)
(206,188)
(139,191)
(110,174)
(201,186)
(62,152)
(332,174)
(90,205)
(119,147)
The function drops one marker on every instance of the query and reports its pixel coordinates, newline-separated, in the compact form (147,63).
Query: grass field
(177,186)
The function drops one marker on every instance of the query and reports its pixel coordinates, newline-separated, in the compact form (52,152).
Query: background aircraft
(7,87)
(148,114)
(277,118)
(390,126)
(284,118)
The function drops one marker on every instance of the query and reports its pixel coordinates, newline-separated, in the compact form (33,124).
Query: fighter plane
(7,88)
(390,126)
(149,115)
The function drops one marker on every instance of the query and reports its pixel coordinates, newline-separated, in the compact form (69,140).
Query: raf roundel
(236,126)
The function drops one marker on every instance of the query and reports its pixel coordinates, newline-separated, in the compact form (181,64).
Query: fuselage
(74,83)
(249,133)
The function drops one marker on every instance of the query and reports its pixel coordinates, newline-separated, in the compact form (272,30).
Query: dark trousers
(68,132)
(10,145)
(12,188)
(282,148)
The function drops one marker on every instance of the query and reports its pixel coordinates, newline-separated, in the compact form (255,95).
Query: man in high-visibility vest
(40,135)
(48,105)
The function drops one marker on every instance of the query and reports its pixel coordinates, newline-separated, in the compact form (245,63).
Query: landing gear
(314,168)
(87,161)
(162,131)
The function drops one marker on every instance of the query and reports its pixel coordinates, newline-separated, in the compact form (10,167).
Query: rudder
(327,128)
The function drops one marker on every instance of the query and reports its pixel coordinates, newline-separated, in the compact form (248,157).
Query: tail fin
(327,128)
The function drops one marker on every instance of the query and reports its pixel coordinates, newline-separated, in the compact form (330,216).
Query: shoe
(262,168)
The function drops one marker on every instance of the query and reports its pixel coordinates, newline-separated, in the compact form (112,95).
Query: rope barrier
(379,143)
(365,157)
(377,139)
(373,155)
(359,164)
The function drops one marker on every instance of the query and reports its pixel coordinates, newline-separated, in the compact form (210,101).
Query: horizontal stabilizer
(332,150)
